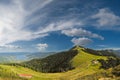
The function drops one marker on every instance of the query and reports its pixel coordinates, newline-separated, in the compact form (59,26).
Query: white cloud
(14,27)
(12,21)
(35,5)
(105,17)
(61,25)
(10,46)
(81,41)
(42,47)
(80,32)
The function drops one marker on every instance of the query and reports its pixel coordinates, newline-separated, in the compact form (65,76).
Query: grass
(81,62)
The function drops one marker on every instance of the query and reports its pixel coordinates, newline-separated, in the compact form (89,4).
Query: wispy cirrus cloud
(25,20)
(16,26)
(10,46)
(13,20)
(60,25)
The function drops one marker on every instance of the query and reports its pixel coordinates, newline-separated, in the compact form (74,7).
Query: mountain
(78,63)
(53,63)
(12,57)
(68,60)
(39,55)
(16,57)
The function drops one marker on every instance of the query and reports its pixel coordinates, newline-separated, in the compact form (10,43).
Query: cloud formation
(12,21)
(81,41)
(60,25)
(81,33)
(42,47)
(10,47)
(105,17)
(14,26)
(20,21)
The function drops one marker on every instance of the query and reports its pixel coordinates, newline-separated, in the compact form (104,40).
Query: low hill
(74,64)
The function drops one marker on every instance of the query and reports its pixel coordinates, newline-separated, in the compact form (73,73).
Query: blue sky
(55,25)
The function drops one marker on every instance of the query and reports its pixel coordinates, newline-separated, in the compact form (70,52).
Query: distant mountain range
(117,52)
(6,57)
(39,55)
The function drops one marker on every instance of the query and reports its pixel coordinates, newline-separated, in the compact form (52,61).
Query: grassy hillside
(86,67)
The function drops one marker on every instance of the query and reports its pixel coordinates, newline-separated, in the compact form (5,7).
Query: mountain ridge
(73,57)
(74,64)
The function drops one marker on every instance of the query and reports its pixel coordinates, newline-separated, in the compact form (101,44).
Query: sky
(56,25)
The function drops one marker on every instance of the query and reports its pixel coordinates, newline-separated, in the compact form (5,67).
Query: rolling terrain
(85,66)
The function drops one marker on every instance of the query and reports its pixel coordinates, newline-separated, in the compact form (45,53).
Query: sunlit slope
(12,72)
(84,58)
(82,62)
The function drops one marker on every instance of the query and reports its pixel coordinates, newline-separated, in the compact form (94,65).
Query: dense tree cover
(100,52)
(59,62)
(109,63)
(116,71)
(112,60)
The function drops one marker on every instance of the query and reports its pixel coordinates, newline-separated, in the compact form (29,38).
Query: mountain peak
(77,47)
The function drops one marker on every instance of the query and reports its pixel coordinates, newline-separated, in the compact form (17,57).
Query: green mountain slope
(64,61)
(84,67)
